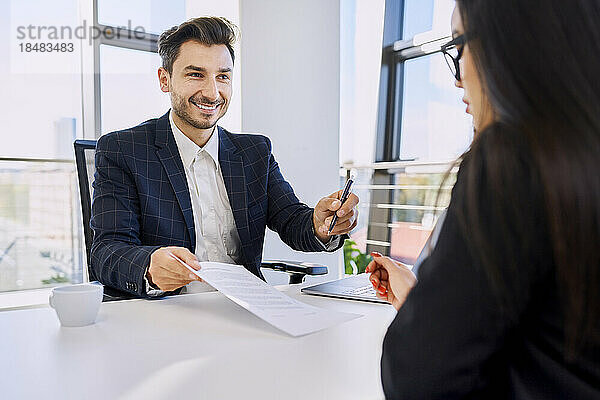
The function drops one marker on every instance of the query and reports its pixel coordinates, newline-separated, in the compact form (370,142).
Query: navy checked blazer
(141,201)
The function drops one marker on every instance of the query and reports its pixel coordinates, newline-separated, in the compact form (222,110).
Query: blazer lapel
(168,154)
(232,169)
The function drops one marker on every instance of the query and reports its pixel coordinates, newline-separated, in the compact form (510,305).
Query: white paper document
(287,314)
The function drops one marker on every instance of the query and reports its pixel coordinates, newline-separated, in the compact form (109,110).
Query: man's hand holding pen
(334,205)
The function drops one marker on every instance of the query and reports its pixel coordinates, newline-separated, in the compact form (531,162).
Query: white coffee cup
(77,305)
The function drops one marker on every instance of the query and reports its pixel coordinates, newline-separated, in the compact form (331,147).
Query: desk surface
(199,345)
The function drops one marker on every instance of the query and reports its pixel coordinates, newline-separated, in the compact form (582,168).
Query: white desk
(200,346)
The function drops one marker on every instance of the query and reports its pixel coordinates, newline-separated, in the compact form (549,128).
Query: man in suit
(182,185)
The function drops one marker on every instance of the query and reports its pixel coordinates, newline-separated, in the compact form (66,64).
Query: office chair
(84,159)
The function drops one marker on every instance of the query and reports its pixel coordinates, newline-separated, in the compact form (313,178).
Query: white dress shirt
(216,234)
(217,238)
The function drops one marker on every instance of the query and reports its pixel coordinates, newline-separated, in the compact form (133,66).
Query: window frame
(396,51)
(132,40)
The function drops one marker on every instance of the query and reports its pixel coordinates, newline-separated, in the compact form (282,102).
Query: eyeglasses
(453,51)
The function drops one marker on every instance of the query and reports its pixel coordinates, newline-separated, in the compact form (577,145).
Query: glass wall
(40,115)
(40,241)
(40,100)
(66,76)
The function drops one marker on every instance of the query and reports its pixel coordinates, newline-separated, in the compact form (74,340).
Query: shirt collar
(188,149)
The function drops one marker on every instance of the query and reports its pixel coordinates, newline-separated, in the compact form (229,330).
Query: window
(433,122)
(91,85)
(126,62)
(421,17)
(41,94)
(421,116)
(129,90)
(155,16)
(421,128)
(41,114)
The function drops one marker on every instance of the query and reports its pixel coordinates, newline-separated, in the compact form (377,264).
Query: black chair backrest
(84,158)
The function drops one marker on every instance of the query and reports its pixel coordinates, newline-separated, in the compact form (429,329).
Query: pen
(184,263)
(345,195)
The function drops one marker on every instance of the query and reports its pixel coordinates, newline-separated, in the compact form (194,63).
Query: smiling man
(181,185)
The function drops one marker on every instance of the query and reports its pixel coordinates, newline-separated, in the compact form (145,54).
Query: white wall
(362,34)
(291,93)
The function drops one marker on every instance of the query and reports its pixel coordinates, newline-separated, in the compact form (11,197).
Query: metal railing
(399,204)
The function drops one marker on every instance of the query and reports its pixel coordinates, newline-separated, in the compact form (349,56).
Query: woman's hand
(391,279)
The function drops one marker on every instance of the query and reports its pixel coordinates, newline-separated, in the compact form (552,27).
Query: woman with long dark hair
(508,305)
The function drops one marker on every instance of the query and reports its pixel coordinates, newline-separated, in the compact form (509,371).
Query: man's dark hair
(208,31)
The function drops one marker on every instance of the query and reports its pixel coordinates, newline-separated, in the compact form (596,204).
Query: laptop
(358,287)
(355,287)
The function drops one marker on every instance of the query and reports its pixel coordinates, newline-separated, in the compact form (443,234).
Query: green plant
(355,261)
(56,279)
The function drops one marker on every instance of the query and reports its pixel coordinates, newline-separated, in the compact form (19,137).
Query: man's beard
(180,105)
